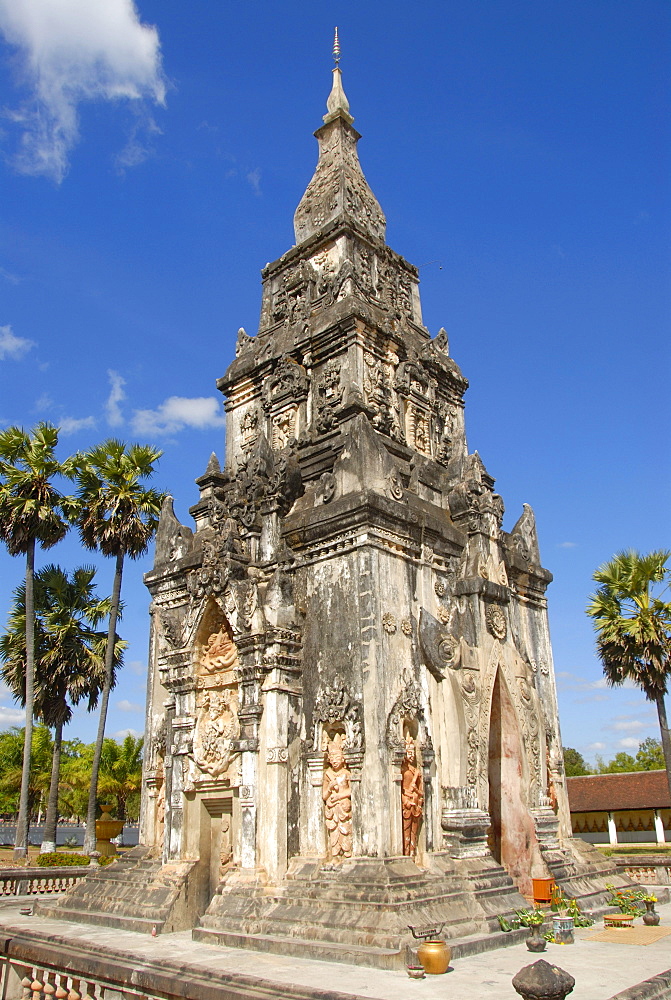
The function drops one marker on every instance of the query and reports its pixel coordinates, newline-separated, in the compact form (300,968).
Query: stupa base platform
(361,909)
(135,893)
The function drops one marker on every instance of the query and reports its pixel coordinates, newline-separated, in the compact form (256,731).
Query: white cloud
(11,716)
(137,667)
(71,425)
(624,724)
(597,746)
(178,412)
(13,279)
(43,402)
(568,545)
(139,147)
(129,706)
(254,178)
(628,743)
(587,690)
(116,396)
(12,346)
(121,734)
(72,51)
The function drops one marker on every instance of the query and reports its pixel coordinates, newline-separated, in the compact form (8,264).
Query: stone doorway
(512,836)
(217,843)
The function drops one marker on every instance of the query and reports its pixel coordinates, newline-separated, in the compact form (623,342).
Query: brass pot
(434,956)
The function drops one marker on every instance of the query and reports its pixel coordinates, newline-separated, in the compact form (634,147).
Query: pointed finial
(213,465)
(337,104)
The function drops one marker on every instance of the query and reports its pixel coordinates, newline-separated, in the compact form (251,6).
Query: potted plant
(627,900)
(533,919)
(562,921)
(651,916)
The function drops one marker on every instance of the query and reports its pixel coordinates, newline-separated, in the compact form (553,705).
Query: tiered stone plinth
(357,911)
(136,893)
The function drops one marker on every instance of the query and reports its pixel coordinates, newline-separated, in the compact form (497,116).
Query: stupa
(352,718)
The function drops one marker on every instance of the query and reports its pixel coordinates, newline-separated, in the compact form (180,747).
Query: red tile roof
(611,792)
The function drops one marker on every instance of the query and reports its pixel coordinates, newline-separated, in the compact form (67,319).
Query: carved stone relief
(496,621)
(216,729)
(249,429)
(337,797)
(328,396)
(377,385)
(418,429)
(284,427)
(333,705)
(412,797)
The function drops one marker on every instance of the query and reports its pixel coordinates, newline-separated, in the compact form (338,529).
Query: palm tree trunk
(90,835)
(666,738)
(21,841)
(50,823)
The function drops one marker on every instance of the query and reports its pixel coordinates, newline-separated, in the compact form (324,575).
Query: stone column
(273,815)
(659,827)
(248,854)
(249,718)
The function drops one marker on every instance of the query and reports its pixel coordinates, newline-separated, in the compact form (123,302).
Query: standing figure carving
(412,797)
(337,796)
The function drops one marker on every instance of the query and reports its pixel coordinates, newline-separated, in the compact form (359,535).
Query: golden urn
(106,829)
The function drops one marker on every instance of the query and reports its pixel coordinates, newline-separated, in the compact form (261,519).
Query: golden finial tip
(336,48)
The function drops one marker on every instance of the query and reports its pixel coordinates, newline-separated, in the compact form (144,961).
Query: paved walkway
(600,969)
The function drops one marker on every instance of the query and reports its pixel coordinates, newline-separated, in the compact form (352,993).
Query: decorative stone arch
(407,719)
(408,715)
(215,667)
(509,741)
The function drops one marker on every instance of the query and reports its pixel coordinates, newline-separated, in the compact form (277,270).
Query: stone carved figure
(337,796)
(226,851)
(412,797)
(160,815)
(216,728)
(220,652)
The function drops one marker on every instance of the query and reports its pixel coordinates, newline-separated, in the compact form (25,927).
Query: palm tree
(69,661)
(118,516)
(31,511)
(633,628)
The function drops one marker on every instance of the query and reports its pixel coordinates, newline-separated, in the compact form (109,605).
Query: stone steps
(136,893)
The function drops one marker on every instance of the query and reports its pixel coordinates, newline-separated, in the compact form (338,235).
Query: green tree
(650,756)
(121,774)
(620,763)
(12,746)
(632,622)
(69,658)
(31,513)
(119,517)
(574,763)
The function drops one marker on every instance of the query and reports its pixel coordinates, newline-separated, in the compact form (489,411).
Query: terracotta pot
(651,916)
(435,957)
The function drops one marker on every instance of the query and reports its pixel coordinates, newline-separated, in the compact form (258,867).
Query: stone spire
(338,190)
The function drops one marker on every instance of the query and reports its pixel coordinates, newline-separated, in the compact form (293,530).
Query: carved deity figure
(337,796)
(412,797)
(160,815)
(215,729)
(220,652)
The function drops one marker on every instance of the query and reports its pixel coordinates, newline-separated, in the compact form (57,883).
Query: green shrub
(56,860)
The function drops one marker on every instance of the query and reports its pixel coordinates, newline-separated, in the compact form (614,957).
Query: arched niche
(512,836)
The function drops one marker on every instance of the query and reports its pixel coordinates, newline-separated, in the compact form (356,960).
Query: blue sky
(151,159)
